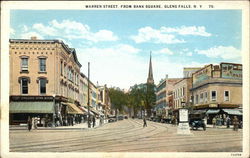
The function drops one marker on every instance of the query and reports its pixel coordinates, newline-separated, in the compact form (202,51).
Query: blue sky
(117,43)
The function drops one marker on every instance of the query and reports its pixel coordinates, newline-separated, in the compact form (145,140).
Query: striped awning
(73,109)
(32,107)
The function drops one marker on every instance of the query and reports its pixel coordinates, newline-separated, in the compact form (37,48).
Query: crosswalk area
(126,136)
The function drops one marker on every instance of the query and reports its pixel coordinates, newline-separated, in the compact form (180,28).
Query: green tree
(118,99)
(143,97)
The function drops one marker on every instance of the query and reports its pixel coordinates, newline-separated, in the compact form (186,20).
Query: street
(126,136)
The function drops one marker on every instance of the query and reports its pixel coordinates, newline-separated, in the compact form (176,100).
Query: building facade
(217,89)
(181,94)
(44,81)
(164,92)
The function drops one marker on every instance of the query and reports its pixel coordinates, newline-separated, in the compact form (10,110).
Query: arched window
(24,82)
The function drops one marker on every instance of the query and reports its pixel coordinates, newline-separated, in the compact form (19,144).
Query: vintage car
(196,120)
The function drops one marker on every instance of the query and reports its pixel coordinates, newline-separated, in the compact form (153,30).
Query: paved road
(125,136)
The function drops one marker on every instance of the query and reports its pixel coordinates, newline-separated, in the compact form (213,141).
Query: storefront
(20,111)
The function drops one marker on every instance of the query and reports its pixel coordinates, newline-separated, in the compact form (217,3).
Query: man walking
(29,122)
(144,122)
(93,121)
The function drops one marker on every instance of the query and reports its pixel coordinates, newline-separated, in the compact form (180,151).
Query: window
(205,96)
(213,95)
(24,64)
(61,66)
(201,97)
(24,85)
(42,85)
(197,99)
(226,95)
(42,64)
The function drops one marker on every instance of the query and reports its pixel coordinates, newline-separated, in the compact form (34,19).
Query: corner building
(44,81)
(217,88)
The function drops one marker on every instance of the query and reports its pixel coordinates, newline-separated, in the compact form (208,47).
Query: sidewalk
(81,126)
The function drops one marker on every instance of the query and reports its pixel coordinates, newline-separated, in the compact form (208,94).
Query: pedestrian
(29,122)
(214,122)
(228,121)
(235,123)
(144,122)
(35,122)
(94,121)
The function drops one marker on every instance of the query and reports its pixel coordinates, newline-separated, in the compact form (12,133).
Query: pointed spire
(150,72)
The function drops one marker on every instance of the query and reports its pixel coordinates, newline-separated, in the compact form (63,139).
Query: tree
(117,98)
(143,96)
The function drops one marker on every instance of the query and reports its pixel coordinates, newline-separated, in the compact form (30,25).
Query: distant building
(188,71)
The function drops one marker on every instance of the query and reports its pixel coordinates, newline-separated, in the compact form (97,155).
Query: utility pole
(89,125)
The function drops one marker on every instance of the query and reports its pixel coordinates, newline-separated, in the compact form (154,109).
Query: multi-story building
(163,93)
(44,80)
(181,93)
(217,87)
(104,100)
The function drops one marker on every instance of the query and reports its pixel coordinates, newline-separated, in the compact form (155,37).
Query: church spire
(150,72)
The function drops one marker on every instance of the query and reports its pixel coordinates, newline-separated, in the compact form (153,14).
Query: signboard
(202,74)
(183,127)
(183,115)
(231,71)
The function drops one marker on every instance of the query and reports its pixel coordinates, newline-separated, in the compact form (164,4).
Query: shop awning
(73,109)
(95,112)
(198,111)
(32,107)
(213,111)
(232,111)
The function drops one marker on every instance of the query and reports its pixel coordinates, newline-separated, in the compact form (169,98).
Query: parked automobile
(112,119)
(198,123)
(196,120)
(120,117)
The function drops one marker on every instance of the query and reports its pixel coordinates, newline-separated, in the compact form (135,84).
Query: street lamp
(54,110)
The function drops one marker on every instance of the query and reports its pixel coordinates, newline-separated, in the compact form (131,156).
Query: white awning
(232,111)
(213,111)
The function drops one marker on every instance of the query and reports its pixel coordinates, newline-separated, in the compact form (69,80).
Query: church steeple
(150,72)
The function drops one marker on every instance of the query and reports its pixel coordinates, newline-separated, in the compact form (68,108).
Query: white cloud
(117,66)
(148,34)
(164,51)
(223,52)
(12,31)
(189,54)
(28,35)
(187,30)
(70,30)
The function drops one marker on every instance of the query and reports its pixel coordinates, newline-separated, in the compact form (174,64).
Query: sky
(117,43)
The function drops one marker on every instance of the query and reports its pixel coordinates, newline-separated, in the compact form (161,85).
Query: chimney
(33,38)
